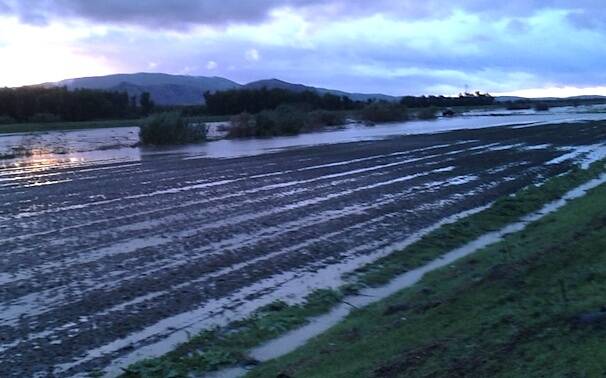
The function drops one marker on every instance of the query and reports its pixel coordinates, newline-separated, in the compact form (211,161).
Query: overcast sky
(528,47)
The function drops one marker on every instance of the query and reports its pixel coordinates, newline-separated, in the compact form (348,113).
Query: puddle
(296,338)
(585,155)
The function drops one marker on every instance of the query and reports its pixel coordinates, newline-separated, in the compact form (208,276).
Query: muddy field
(100,261)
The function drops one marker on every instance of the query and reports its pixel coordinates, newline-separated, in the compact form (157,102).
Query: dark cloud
(174,14)
(181,14)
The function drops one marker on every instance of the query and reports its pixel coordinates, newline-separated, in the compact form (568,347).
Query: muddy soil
(98,260)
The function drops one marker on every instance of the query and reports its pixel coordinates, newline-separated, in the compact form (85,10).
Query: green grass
(222,347)
(217,348)
(509,310)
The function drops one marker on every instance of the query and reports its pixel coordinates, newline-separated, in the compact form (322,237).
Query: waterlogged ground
(106,259)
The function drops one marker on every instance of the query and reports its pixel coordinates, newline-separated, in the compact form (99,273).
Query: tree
(147,105)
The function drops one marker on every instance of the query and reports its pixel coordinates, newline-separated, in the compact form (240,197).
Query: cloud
(252,55)
(403,46)
(175,14)
(183,14)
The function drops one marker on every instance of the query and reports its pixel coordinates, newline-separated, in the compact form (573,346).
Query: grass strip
(532,305)
(216,348)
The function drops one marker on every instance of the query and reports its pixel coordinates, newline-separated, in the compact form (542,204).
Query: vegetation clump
(216,348)
(284,120)
(380,112)
(170,128)
(428,113)
(321,118)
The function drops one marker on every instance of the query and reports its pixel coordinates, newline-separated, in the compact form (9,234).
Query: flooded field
(110,253)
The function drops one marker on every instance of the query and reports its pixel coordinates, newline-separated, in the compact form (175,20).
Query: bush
(242,126)
(284,120)
(170,128)
(321,118)
(384,112)
(289,120)
(428,113)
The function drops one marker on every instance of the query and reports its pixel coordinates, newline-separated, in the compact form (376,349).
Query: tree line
(464,99)
(236,101)
(253,101)
(41,104)
(31,104)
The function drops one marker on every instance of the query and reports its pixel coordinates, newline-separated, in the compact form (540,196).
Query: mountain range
(168,89)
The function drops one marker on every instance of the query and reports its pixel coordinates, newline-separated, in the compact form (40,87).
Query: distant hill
(275,83)
(165,89)
(168,89)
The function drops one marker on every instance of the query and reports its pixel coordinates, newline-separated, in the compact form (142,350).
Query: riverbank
(530,305)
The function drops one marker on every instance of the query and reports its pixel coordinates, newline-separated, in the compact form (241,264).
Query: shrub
(170,128)
(384,112)
(265,125)
(321,118)
(289,120)
(242,126)
(284,120)
(428,113)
